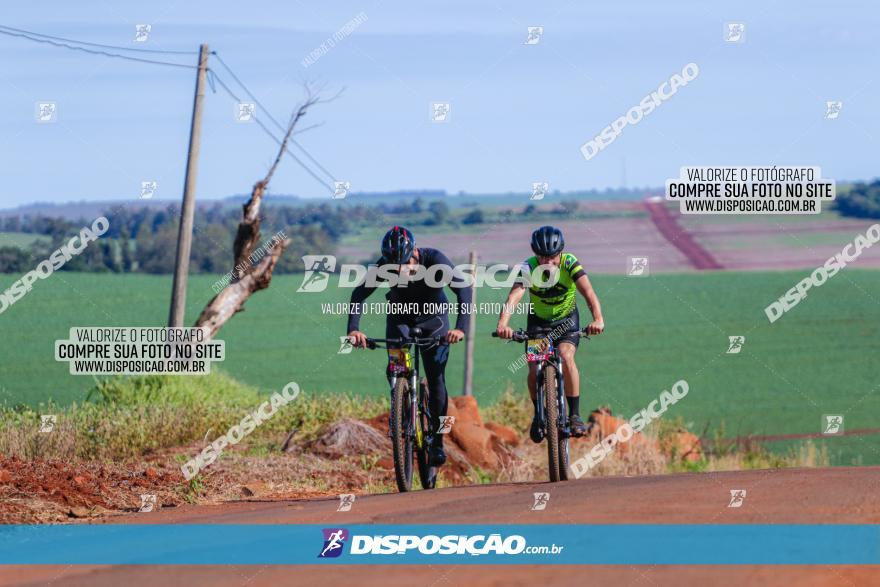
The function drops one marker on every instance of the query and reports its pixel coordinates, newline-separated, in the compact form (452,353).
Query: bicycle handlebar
(523,335)
(372,343)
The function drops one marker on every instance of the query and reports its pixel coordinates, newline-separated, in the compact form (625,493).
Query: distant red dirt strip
(784,496)
(669,227)
(741,440)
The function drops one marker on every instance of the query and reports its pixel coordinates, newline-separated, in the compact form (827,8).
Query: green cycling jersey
(557,301)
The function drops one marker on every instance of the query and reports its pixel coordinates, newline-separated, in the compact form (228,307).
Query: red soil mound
(681,445)
(75,490)
(471,442)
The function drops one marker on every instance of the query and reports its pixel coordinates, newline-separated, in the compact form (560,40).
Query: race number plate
(399,360)
(538,349)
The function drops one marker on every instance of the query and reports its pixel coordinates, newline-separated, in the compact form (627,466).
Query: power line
(269,132)
(65,43)
(269,115)
(95,51)
(117,47)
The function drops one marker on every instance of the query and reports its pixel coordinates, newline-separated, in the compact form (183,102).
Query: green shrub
(131,416)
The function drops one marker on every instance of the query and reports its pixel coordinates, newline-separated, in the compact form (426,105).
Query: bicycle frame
(558,432)
(554,359)
(417,395)
(413,376)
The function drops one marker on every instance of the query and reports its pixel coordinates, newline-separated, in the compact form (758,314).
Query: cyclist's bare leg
(570,370)
(534,431)
(572,387)
(533,376)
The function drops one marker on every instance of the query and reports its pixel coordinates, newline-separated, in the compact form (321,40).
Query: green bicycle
(551,405)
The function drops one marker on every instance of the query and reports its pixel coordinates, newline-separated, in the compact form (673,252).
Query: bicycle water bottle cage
(399,361)
(538,349)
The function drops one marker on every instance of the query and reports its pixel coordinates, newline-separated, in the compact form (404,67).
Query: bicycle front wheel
(401,439)
(551,415)
(427,473)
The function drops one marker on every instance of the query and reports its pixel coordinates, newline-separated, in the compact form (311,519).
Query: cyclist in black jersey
(398,248)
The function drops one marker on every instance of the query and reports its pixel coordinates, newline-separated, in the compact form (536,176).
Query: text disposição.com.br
(475,545)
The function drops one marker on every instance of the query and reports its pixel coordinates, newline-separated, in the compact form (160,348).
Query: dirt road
(793,496)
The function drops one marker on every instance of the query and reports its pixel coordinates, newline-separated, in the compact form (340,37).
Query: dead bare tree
(249,277)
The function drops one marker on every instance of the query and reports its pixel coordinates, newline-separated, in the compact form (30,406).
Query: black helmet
(398,245)
(547,241)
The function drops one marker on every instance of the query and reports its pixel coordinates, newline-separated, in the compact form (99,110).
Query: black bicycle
(410,419)
(551,406)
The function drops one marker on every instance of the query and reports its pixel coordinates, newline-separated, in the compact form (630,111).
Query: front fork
(562,404)
(415,425)
(564,425)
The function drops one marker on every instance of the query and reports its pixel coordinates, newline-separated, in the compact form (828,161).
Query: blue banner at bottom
(608,544)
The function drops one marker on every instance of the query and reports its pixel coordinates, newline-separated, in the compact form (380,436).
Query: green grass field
(21,239)
(820,358)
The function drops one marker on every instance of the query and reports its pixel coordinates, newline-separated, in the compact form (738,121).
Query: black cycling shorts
(568,327)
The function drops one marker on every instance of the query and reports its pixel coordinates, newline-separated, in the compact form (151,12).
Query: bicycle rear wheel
(401,440)
(551,415)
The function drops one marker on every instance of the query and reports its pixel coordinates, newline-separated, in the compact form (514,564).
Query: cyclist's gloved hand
(358,339)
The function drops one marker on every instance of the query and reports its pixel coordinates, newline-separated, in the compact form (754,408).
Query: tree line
(861,200)
(144,240)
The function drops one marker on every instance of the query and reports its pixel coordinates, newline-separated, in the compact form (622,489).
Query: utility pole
(187,209)
(471,333)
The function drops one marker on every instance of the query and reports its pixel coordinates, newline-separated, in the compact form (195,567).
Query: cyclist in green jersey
(554,307)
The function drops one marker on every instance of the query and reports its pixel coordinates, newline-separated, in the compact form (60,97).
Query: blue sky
(519,112)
